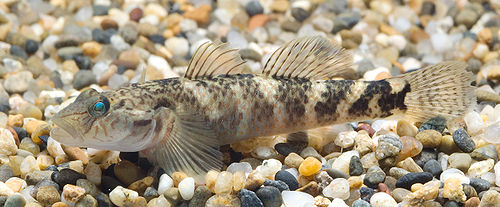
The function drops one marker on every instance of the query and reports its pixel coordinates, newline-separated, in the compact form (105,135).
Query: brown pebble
(14,133)
(472,202)
(60,204)
(75,153)
(411,147)
(140,202)
(178,177)
(382,187)
(136,14)
(311,188)
(39,131)
(15,120)
(141,185)
(128,172)
(367,128)
(258,20)
(200,14)
(109,24)
(254,181)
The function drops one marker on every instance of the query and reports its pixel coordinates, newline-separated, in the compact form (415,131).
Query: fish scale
(179,123)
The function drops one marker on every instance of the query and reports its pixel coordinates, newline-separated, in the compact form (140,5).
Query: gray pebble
(277,183)
(83,78)
(200,197)
(89,187)
(374,176)
(6,172)
(433,167)
(270,196)
(15,201)
(249,199)
(479,184)
(336,173)
(87,201)
(355,166)
(253,7)
(360,203)
(463,140)
(486,152)
(437,123)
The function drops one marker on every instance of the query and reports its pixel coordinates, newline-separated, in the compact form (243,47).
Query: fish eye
(99,108)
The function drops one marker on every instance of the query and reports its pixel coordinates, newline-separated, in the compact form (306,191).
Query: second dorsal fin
(213,59)
(308,57)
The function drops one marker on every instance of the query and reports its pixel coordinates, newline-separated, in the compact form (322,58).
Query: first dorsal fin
(213,59)
(308,57)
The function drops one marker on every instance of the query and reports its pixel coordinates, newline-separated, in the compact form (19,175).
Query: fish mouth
(62,133)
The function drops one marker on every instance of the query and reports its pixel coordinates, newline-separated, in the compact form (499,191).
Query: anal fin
(188,144)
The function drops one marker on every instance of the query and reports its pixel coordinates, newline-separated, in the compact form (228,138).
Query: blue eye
(99,108)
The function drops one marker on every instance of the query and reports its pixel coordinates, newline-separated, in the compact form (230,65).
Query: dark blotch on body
(336,92)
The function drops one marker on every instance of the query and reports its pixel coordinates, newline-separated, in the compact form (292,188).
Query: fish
(179,123)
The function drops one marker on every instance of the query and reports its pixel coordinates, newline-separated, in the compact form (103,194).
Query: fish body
(179,122)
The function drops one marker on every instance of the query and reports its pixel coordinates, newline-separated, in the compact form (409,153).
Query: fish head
(105,120)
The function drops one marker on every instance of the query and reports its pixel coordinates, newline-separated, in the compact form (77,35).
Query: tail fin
(443,89)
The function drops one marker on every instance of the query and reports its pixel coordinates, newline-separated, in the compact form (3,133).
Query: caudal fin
(443,89)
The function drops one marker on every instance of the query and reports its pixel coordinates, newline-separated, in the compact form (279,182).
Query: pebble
(407,180)
(342,162)
(453,172)
(67,176)
(309,166)
(287,178)
(6,173)
(186,188)
(253,8)
(83,78)
(47,195)
(355,166)
(388,149)
(463,140)
(249,199)
(453,190)
(72,193)
(429,138)
(224,183)
(123,197)
(433,167)
(411,147)
(7,143)
(293,160)
(338,188)
(374,176)
(15,201)
(87,200)
(127,172)
(486,152)
(382,200)
(270,196)
(18,82)
(201,195)
(479,184)
(460,161)
(270,167)
(479,168)
(277,183)
(223,200)
(297,199)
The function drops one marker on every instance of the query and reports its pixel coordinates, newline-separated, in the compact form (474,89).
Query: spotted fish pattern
(179,122)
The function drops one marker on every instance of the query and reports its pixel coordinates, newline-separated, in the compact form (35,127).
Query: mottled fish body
(179,122)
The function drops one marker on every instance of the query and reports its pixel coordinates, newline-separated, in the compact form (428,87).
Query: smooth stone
(338,188)
(460,161)
(477,169)
(277,183)
(309,166)
(411,147)
(293,160)
(397,172)
(490,198)
(31,46)
(406,181)
(336,173)
(454,173)
(18,51)
(67,176)
(297,199)
(103,200)
(89,187)
(453,190)
(87,200)
(342,162)
(253,8)
(360,203)
(399,194)
(433,167)
(127,172)
(479,184)
(151,193)
(18,82)
(366,193)
(270,196)
(121,196)
(374,176)
(249,199)
(223,200)
(469,191)
(165,183)
(200,196)
(484,153)
(286,148)
(48,195)
(173,196)
(72,193)
(424,156)
(15,201)
(287,178)
(83,78)
(5,172)
(186,188)
(429,138)
(382,200)
(355,166)
(463,140)
(437,123)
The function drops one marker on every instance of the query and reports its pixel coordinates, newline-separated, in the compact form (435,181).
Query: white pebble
(178,46)
(474,122)
(116,81)
(165,183)
(119,43)
(497,173)
(338,188)
(240,166)
(398,41)
(455,173)
(479,168)
(236,40)
(342,162)
(441,42)
(490,177)
(345,139)
(411,63)
(224,183)
(492,133)
(382,199)
(297,199)
(480,50)
(264,152)
(188,25)
(121,196)
(28,165)
(5,190)
(337,202)
(186,188)
(270,167)
(7,143)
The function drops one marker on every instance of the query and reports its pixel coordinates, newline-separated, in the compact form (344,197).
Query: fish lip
(64,125)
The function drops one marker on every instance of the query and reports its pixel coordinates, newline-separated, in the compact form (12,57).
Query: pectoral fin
(189,144)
